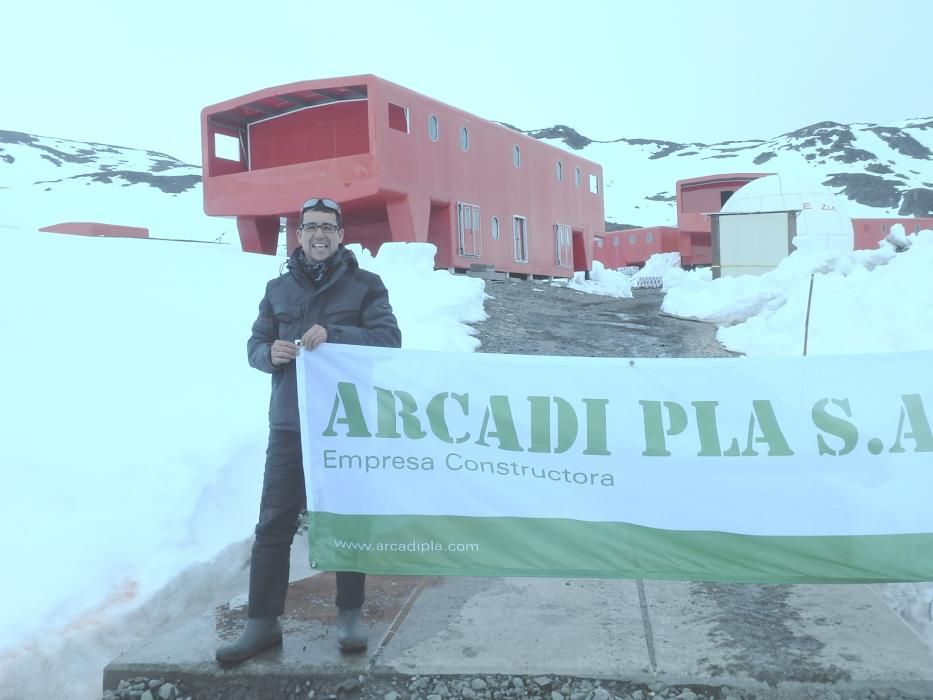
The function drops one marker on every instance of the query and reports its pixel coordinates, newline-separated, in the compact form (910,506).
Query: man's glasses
(314,201)
(312,227)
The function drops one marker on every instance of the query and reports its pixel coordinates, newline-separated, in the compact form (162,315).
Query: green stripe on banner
(440,545)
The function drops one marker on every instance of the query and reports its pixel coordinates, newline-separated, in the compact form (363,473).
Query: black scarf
(316,271)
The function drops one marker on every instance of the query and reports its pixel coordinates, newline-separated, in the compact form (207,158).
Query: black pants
(283,498)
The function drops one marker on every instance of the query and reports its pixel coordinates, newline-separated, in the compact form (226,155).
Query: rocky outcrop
(871,190)
(917,202)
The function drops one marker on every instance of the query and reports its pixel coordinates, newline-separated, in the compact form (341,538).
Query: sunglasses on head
(314,201)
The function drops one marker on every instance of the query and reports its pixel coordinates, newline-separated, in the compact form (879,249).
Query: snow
(134,430)
(627,198)
(135,423)
(866,301)
(863,301)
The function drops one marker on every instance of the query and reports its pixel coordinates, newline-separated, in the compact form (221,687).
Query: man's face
(317,244)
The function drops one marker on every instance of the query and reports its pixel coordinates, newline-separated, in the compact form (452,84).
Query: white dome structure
(822,222)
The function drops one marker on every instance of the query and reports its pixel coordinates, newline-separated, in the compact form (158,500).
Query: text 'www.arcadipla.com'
(413,546)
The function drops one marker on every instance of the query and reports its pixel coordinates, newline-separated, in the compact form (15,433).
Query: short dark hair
(322,204)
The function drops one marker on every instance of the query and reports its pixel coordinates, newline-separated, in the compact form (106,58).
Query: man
(323,296)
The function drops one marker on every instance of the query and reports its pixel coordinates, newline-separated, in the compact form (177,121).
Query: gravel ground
(537,318)
(478,687)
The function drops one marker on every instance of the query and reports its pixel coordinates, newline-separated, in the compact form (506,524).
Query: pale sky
(138,74)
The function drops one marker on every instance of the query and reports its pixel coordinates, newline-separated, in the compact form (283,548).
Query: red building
(405,167)
(93,228)
(697,197)
(633,246)
(870,232)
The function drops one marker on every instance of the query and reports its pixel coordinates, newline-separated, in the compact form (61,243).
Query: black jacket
(352,304)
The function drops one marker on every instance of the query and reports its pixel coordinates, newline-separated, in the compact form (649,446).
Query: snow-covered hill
(879,170)
(45,180)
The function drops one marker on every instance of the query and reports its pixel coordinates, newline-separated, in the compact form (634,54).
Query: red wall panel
(319,133)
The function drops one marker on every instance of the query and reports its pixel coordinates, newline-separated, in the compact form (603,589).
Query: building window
(599,242)
(560,170)
(576,176)
(562,238)
(632,239)
(594,184)
(516,156)
(520,237)
(649,237)
(464,138)
(724,197)
(495,228)
(226,147)
(615,240)
(884,228)
(468,230)
(398,118)
(432,127)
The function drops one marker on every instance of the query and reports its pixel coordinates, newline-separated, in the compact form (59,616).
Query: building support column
(258,234)
(408,218)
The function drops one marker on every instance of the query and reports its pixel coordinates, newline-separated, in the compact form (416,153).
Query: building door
(564,254)
(468,230)
(520,235)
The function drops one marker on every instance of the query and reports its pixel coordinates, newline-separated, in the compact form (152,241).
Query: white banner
(810,447)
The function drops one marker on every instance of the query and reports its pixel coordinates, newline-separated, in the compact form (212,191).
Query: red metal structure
(92,228)
(870,232)
(634,246)
(697,197)
(405,167)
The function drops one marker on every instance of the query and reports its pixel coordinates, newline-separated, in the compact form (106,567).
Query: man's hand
(283,351)
(313,337)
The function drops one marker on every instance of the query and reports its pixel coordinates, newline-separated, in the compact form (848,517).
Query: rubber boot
(351,633)
(260,633)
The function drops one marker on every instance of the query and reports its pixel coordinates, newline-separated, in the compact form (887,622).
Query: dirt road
(538,318)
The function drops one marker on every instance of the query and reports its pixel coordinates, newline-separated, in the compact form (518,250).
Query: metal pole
(806,323)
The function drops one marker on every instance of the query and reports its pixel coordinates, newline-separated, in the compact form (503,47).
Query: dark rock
(879,168)
(170,184)
(419,683)
(569,136)
(870,190)
(764,157)
(16,137)
(917,202)
(665,147)
(612,226)
(901,142)
(813,130)
(836,141)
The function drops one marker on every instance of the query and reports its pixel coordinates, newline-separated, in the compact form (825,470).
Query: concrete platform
(758,641)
